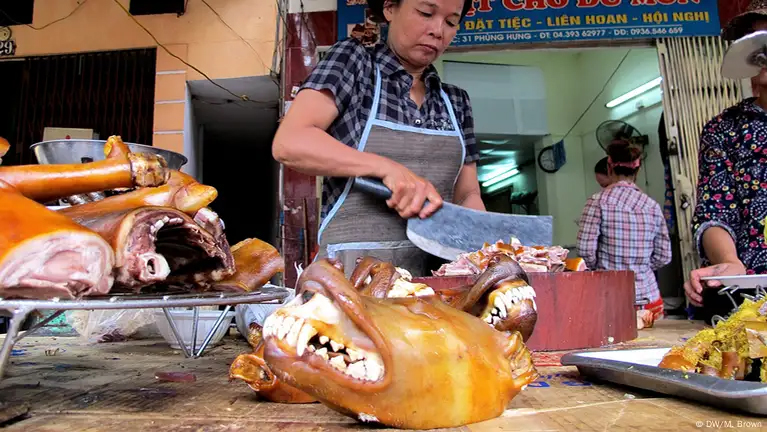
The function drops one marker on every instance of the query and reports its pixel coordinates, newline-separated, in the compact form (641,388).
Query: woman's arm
(723,255)
(467,192)
(302,143)
(716,220)
(717,203)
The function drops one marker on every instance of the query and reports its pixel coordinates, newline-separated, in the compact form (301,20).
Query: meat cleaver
(453,230)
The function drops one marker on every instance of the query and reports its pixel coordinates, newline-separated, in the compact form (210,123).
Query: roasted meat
(45,255)
(255,263)
(413,363)
(531,259)
(161,244)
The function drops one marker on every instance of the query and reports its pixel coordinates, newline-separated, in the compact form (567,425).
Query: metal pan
(638,368)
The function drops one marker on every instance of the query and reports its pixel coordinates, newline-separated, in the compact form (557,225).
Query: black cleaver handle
(372,186)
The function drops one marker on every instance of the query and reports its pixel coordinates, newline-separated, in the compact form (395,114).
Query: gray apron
(361,225)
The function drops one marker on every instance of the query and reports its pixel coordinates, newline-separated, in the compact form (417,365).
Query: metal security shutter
(693,93)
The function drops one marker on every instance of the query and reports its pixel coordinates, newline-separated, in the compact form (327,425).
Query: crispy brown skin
(256,262)
(181,192)
(382,274)
(121,169)
(24,222)
(417,340)
(252,369)
(500,272)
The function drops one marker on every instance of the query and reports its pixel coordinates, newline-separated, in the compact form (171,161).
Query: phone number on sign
(638,31)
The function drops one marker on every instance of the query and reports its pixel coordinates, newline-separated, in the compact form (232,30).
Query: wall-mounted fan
(617,130)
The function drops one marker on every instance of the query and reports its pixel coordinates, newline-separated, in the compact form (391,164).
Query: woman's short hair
(601,167)
(377,9)
(621,153)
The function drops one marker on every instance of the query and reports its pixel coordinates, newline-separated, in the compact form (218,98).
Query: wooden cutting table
(113,387)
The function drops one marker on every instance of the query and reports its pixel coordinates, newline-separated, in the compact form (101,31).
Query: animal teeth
(307,332)
(165,219)
(489,319)
(357,370)
(500,306)
(506,301)
(324,340)
(285,326)
(336,346)
(338,363)
(354,355)
(292,337)
(373,367)
(322,352)
(310,348)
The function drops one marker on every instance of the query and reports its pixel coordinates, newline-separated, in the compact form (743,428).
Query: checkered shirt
(622,228)
(348,72)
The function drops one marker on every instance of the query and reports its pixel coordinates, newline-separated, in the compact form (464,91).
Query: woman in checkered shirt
(383,112)
(624,229)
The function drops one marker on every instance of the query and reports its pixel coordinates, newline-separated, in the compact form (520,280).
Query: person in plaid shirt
(622,228)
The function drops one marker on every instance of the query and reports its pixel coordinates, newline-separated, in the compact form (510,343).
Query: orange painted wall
(199,37)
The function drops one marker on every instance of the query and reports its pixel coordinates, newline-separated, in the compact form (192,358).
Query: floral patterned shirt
(732,183)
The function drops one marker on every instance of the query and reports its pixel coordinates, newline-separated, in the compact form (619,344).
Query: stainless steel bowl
(70,151)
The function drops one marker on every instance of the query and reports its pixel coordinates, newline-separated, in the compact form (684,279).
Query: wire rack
(20,309)
(729,291)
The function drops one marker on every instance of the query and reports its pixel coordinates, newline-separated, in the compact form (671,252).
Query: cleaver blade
(453,230)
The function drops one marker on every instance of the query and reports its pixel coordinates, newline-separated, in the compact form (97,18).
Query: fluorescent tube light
(489,172)
(500,185)
(634,93)
(498,178)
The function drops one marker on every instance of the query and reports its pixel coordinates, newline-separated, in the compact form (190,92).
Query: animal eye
(452,24)
(426,14)
(307,295)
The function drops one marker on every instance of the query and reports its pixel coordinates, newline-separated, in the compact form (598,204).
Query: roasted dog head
(501,296)
(385,360)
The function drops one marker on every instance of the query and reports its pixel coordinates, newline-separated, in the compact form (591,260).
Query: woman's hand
(694,287)
(409,191)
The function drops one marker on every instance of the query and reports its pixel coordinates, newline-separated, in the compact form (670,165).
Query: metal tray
(742,281)
(639,368)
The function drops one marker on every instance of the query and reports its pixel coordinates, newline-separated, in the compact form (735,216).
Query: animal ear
(523,370)
(252,369)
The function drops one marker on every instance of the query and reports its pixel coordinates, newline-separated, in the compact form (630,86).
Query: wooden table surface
(113,387)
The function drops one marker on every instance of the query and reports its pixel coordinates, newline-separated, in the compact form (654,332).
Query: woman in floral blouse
(730,216)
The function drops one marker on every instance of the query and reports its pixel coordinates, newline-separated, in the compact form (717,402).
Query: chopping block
(576,310)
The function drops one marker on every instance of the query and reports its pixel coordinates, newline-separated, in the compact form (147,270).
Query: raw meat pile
(531,259)
(160,233)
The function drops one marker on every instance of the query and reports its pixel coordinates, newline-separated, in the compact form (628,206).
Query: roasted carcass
(121,169)
(256,262)
(501,296)
(161,244)
(44,254)
(181,192)
(531,259)
(411,362)
(729,349)
(252,369)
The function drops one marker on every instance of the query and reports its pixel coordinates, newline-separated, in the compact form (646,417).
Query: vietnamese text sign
(529,21)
